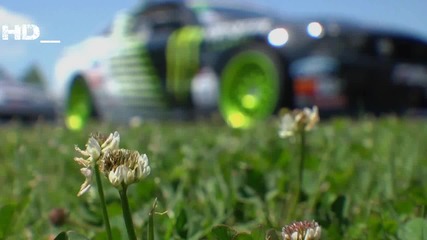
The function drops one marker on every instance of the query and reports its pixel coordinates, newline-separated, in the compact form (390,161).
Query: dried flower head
(298,120)
(305,230)
(96,147)
(123,167)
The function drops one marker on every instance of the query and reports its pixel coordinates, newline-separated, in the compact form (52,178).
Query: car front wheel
(79,107)
(250,88)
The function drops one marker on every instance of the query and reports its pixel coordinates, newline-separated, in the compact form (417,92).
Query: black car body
(354,69)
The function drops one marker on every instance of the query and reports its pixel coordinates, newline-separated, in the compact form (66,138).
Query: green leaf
(223,232)
(70,235)
(258,233)
(91,213)
(181,225)
(338,207)
(272,235)
(7,213)
(255,179)
(414,229)
(243,236)
(62,236)
(115,232)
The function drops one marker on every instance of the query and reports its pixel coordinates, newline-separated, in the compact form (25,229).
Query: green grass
(362,180)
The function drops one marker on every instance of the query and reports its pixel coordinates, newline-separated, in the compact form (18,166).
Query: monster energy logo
(182,56)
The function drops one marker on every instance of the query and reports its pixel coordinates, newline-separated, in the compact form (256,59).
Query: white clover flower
(123,167)
(311,117)
(287,126)
(92,154)
(117,176)
(93,150)
(111,143)
(87,172)
(298,120)
(96,147)
(305,230)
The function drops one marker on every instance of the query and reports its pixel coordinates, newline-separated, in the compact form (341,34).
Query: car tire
(251,86)
(79,106)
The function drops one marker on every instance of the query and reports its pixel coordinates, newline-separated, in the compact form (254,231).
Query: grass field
(363,179)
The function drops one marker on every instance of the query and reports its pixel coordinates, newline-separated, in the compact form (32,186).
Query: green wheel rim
(249,89)
(79,106)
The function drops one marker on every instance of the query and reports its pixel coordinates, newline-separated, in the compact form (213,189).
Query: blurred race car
(170,58)
(24,101)
(356,69)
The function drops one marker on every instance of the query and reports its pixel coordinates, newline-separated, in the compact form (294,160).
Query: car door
(409,73)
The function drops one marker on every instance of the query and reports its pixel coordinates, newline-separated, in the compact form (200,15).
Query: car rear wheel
(79,106)
(250,87)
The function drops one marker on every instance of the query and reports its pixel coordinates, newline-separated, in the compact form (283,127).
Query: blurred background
(72,22)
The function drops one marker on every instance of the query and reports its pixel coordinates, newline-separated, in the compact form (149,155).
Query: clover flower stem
(298,187)
(126,212)
(103,204)
(151,221)
(301,165)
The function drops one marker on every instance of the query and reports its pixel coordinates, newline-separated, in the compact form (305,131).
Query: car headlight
(315,30)
(278,37)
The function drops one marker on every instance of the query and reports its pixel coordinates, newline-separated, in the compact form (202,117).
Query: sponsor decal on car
(182,56)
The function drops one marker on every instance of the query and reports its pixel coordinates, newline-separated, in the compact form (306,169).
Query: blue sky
(73,21)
